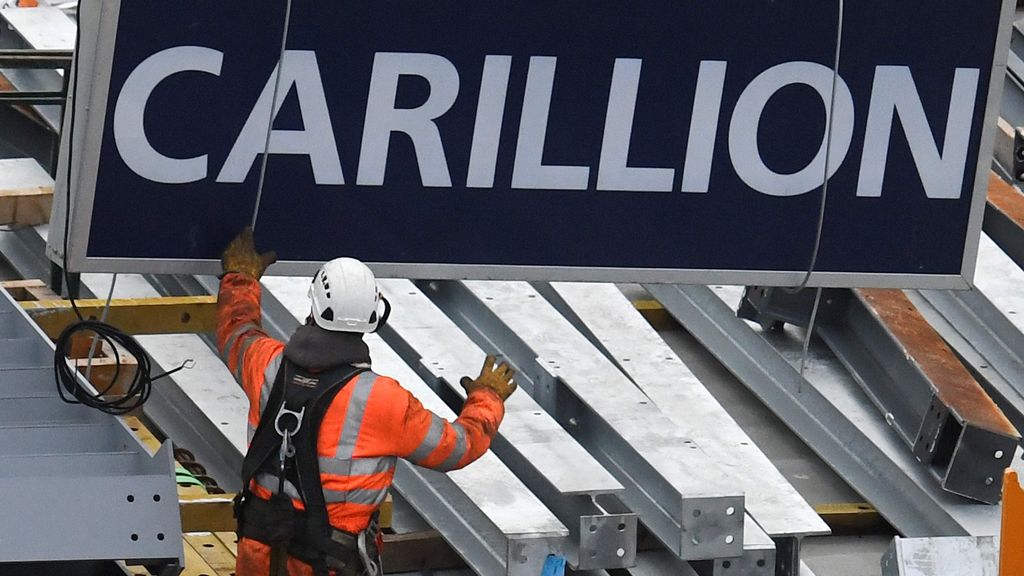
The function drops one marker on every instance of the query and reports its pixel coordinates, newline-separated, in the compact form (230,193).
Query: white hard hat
(345,297)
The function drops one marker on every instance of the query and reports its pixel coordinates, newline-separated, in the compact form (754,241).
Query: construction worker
(324,430)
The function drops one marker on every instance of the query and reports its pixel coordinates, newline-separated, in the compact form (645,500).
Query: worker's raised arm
(242,344)
(426,439)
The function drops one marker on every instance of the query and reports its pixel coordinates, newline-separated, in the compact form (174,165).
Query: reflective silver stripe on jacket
(458,452)
(269,482)
(354,414)
(431,441)
(234,336)
(366,496)
(356,466)
(269,375)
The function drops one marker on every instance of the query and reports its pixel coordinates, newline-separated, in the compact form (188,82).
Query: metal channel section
(830,413)
(484,511)
(911,375)
(611,321)
(949,556)
(553,465)
(65,469)
(678,492)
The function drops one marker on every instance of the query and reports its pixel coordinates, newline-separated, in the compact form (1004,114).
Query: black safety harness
(284,445)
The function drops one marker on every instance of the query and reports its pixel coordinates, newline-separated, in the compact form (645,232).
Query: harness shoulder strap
(297,391)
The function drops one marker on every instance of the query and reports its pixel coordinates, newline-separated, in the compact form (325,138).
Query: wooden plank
(194,563)
(853,518)
(169,315)
(230,539)
(26,206)
(207,512)
(655,314)
(33,289)
(415,551)
(213,551)
(149,440)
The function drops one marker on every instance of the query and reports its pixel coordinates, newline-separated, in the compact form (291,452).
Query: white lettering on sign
(316,139)
(528,170)
(894,91)
(893,95)
(746,157)
(382,118)
(129,132)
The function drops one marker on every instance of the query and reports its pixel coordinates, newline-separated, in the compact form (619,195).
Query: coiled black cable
(70,386)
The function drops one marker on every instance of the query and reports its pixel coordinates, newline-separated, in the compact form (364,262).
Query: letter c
(130,110)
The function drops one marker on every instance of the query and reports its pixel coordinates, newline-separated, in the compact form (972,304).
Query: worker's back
(367,425)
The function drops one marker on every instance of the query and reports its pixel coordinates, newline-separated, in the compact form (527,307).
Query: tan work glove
(498,379)
(241,256)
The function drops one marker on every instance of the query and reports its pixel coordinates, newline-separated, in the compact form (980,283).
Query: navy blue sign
(664,140)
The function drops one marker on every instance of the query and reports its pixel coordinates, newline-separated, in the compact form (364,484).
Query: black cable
(69,381)
(70,387)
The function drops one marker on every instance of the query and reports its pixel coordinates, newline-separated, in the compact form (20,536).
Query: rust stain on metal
(1006,199)
(954,385)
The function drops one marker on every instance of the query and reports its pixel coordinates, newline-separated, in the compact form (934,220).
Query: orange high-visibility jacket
(371,422)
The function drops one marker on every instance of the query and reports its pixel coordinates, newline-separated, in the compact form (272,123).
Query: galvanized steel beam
(678,492)
(950,556)
(614,325)
(553,465)
(911,375)
(836,421)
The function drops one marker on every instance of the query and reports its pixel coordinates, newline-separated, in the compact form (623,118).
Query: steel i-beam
(911,375)
(555,467)
(678,492)
(834,418)
(602,312)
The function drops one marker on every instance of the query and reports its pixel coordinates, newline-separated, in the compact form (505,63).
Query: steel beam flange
(678,492)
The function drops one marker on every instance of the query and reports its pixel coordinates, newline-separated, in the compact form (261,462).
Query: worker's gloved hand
(241,256)
(498,379)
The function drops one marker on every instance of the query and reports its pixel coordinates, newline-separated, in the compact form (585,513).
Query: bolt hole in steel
(983,366)
(643,402)
(622,527)
(185,317)
(131,498)
(696,513)
(135,537)
(729,539)
(620,552)
(761,563)
(223,423)
(999,454)
(207,545)
(593,527)
(160,536)
(863,508)
(625,359)
(156,497)
(726,564)
(730,511)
